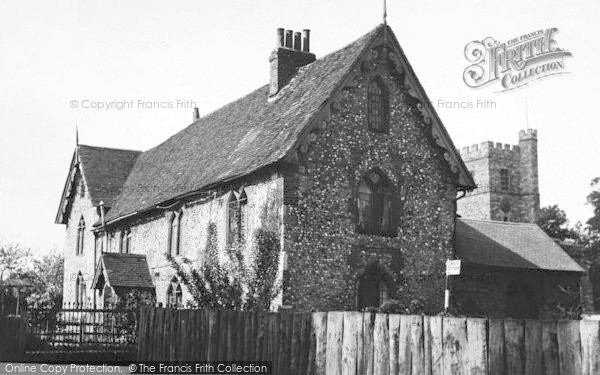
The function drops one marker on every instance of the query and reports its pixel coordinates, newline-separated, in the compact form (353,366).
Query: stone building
(507,180)
(342,159)
(511,267)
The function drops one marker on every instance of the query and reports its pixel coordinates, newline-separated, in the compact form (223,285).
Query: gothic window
(126,242)
(377,106)
(174,233)
(504,180)
(80,236)
(236,217)
(373,288)
(174,294)
(79,289)
(375,205)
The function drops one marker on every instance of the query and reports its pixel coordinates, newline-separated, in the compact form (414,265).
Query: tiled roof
(105,171)
(248,134)
(512,245)
(126,270)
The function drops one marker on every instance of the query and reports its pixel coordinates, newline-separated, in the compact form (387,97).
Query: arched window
(374,204)
(174,294)
(79,289)
(80,236)
(235,217)
(373,288)
(377,106)
(174,233)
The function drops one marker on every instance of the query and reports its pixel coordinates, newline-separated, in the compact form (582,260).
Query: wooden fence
(337,343)
(12,338)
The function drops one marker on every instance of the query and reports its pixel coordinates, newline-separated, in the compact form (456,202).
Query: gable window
(236,217)
(374,203)
(377,106)
(504,180)
(126,242)
(174,294)
(174,233)
(80,236)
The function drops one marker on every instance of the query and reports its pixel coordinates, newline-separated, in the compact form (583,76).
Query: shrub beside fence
(338,343)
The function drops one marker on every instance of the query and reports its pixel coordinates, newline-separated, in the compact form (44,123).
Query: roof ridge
(498,222)
(109,148)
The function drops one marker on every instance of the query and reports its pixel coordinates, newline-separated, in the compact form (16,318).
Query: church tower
(506,178)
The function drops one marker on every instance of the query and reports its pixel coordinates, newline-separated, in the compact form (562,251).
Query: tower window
(374,203)
(377,106)
(504,179)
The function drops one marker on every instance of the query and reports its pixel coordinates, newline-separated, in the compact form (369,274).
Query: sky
(154,60)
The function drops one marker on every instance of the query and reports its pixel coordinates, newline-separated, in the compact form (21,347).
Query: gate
(79,334)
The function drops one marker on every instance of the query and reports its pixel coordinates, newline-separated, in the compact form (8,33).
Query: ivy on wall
(237,283)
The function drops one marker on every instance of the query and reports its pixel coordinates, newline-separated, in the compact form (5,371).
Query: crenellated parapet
(486,149)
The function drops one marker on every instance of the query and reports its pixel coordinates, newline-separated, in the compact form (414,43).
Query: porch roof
(123,270)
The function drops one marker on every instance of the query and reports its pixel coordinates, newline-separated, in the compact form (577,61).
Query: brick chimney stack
(292,52)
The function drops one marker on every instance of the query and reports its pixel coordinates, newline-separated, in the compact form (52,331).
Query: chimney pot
(297,41)
(306,41)
(287,58)
(280,37)
(196,114)
(288,38)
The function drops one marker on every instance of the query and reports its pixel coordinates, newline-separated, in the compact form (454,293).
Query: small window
(504,179)
(377,106)
(374,203)
(80,236)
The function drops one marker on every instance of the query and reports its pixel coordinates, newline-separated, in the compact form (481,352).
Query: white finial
(384,12)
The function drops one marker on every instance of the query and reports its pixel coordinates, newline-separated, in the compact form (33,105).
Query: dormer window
(80,236)
(377,106)
(374,203)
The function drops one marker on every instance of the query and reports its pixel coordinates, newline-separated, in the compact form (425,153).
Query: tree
(13,259)
(594,199)
(554,222)
(47,277)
